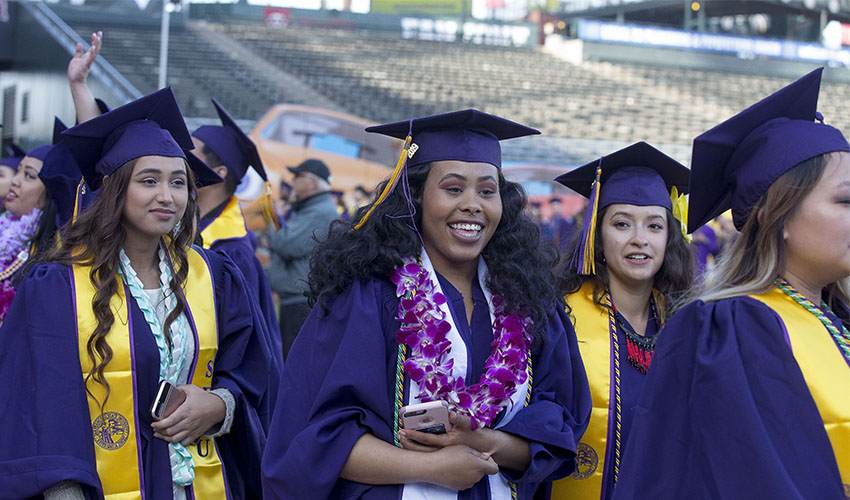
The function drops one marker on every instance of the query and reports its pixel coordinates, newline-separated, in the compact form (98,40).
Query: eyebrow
(463,178)
(151,170)
(32,169)
(631,216)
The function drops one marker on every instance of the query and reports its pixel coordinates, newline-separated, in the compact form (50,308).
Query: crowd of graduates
(685,336)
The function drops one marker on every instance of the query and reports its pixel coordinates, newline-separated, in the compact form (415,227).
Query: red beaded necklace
(640,349)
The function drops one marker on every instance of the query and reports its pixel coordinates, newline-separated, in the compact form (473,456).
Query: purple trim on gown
(338,385)
(40,352)
(726,413)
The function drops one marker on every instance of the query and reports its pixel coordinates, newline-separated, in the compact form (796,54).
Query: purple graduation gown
(242,252)
(46,432)
(726,413)
(338,385)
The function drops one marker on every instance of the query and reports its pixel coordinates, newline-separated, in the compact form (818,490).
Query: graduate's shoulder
(365,292)
(47,274)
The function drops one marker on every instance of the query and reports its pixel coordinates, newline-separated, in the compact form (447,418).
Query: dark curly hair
(520,267)
(673,280)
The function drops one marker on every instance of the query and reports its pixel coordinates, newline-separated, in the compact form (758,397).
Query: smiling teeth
(466,227)
(638,257)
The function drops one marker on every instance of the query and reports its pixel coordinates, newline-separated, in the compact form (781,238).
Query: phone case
(169,398)
(173,400)
(432,417)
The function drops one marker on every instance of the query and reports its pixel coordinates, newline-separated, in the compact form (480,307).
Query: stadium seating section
(383,77)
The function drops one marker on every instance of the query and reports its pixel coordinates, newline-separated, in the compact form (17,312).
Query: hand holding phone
(431,417)
(168,399)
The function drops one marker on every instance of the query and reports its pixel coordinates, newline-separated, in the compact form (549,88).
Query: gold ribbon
(230,224)
(594,331)
(680,211)
(114,430)
(824,369)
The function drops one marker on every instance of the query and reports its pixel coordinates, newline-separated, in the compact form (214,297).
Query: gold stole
(824,370)
(594,333)
(116,447)
(229,224)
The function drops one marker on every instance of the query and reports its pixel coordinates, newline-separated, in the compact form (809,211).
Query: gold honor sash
(824,370)
(230,224)
(116,446)
(594,333)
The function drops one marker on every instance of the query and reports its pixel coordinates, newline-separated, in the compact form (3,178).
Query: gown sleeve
(560,405)
(335,388)
(241,366)
(726,413)
(45,432)
(259,292)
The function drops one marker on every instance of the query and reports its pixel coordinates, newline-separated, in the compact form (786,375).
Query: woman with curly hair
(629,261)
(123,305)
(748,395)
(439,293)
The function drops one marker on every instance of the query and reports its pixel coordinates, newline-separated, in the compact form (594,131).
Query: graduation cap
(149,126)
(734,163)
(14,155)
(39,152)
(238,152)
(235,149)
(468,135)
(636,175)
(62,178)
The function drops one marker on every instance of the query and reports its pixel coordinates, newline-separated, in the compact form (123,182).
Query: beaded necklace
(842,338)
(640,349)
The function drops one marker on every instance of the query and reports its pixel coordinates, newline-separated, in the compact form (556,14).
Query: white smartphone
(431,417)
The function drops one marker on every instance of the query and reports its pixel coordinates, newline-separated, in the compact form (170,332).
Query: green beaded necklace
(842,338)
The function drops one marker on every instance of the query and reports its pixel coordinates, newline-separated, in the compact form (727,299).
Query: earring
(176,230)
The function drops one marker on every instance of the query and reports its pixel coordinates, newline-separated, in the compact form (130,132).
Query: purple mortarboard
(636,175)
(14,155)
(39,152)
(204,175)
(469,135)
(734,163)
(61,178)
(149,126)
(235,149)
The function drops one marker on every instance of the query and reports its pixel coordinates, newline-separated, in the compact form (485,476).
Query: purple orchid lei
(424,330)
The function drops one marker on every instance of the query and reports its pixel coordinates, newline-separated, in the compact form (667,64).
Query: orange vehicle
(289,134)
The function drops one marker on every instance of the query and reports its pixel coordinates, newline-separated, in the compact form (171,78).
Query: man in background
(313,210)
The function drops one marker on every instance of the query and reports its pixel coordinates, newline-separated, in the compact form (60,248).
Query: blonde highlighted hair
(758,255)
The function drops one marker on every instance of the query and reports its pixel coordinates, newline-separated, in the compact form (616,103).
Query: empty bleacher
(382,77)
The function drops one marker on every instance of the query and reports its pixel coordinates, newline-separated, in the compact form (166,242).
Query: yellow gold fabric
(229,224)
(114,429)
(824,369)
(593,330)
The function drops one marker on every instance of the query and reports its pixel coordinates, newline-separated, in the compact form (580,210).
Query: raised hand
(80,64)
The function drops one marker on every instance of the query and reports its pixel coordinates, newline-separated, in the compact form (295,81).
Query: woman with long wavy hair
(629,262)
(121,306)
(748,393)
(439,293)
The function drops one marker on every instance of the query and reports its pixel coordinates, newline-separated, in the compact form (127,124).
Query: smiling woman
(630,259)
(440,292)
(27,225)
(128,294)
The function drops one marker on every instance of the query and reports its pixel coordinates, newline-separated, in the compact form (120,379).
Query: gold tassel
(268,208)
(589,265)
(390,185)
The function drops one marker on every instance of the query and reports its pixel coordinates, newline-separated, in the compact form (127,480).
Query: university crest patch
(111,430)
